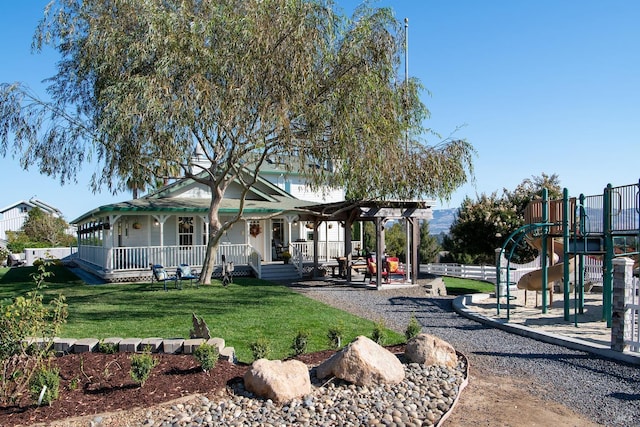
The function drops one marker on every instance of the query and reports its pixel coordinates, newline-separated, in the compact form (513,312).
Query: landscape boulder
(363,362)
(277,380)
(428,349)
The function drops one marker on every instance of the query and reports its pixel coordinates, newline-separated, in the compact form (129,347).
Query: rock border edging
(63,346)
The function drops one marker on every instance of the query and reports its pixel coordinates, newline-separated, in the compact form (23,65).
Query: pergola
(378,212)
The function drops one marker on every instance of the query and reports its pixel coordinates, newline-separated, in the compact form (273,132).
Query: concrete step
(279,272)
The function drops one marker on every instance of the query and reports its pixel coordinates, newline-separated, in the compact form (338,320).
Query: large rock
(277,380)
(430,350)
(363,362)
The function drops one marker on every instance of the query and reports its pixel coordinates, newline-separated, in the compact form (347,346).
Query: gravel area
(605,391)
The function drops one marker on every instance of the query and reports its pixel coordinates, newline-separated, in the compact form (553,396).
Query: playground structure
(567,233)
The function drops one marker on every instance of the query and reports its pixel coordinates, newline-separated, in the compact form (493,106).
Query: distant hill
(442,220)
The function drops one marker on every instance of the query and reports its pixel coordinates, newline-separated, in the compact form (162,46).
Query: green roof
(252,208)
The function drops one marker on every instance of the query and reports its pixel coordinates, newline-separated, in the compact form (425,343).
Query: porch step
(279,272)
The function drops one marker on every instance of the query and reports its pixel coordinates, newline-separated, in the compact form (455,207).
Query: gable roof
(33,202)
(272,200)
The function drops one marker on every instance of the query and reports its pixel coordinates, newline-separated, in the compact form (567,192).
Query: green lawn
(457,286)
(240,313)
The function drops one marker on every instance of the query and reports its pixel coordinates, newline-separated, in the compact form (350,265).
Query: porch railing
(140,257)
(327,251)
(136,258)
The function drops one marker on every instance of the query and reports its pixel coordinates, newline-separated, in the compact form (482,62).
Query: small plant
(379,332)
(207,355)
(22,317)
(141,366)
(335,336)
(73,384)
(107,347)
(413,328)
(260,348)
(300,342)
(45,385)
(286,256)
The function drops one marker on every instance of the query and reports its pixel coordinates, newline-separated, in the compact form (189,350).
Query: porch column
(347,247)
(326,241)
(379,223)
(415,226)
(315,247)
(290,219)
(161,220)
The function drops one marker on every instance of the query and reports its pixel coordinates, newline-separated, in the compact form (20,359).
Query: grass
(240,313)
(457,286)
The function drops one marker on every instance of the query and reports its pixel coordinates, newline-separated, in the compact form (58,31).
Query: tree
(429,246)
(396,242)
(40,230)
(140,83)
(482,225)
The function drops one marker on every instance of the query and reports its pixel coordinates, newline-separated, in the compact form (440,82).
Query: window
(24,209)
(185,230)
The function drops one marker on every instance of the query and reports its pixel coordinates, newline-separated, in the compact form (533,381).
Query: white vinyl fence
(477,272)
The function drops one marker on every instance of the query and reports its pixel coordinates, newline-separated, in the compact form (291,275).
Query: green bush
(21,359)
(413,328)
(207,355)
(300,342)
(379,332)
(260,348)
(45,377)
(335,336)
(107,347)
(141,366)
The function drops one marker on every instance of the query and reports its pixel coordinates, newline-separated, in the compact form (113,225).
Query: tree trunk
(209,264)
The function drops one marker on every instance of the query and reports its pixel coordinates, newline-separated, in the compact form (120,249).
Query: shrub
(207,355)
(107,347)
(260,348)
(300,342)
(74,383)
(21,319)
(335,335)
(141,366)
(413,328)
(379,332)
(45,377)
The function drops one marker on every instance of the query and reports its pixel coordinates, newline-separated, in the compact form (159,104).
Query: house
(13,216)
(118,242)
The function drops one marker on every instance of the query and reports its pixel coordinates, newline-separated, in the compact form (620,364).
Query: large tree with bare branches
(141,82)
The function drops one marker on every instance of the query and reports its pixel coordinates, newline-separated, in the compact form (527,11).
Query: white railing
(255,262)
(477,272)
(297,258)
(96,255)
(327,251)
(136,258)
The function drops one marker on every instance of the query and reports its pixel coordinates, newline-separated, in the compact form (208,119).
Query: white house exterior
(12,217)
(118,242)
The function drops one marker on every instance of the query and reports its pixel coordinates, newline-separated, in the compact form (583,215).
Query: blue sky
(536,86)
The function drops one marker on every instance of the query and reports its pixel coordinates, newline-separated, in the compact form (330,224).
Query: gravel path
(605,391)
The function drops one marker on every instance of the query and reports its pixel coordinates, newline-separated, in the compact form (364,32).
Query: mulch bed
(94,383)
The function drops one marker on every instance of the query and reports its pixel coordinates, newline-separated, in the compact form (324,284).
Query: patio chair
(394,268)
(184,272)
(160,275)
(372,271)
